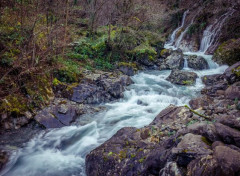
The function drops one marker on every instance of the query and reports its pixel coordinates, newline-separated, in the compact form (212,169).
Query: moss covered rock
(228,52)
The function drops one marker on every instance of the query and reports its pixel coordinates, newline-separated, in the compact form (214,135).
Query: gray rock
(174,61)
(197,62)
(228,135)
(191,147)
(62,109)
(127,70)
(228,160)
(182,77)
(233,92)
(230,75)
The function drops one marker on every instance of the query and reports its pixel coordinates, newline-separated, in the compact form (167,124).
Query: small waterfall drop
(185,67)
(212,32)
(173,36)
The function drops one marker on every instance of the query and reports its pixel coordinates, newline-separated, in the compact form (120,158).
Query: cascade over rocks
(99,88)
(182,77)
(197,62)
(179,141)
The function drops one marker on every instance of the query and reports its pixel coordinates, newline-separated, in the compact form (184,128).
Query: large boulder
(182,77)
(174,61)
(228,52)
(210,80)
(105,88)
(228,135)
(232,73)
(191,147)
(62,112)
(233,92)
(228,160)
(200,102)
(197,62)
(224,161)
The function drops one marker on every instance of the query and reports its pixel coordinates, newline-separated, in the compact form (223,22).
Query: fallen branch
(206,117)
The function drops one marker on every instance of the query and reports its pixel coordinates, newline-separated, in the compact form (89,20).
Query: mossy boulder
(128,68)
(228,52)
(182,78)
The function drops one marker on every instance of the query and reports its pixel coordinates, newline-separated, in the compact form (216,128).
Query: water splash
(212,32)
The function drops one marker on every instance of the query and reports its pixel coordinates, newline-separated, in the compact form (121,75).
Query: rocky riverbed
(201,140)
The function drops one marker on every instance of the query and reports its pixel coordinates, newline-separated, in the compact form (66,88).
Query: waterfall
(185,67)
(212,32)
(173,36)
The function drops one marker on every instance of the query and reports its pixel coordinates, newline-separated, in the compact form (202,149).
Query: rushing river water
(62,152)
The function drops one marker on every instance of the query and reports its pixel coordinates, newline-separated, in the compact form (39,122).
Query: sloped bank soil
(203,140)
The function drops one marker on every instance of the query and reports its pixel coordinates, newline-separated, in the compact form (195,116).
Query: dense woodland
(47,42)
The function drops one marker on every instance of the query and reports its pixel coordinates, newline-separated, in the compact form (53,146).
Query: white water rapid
(61,152)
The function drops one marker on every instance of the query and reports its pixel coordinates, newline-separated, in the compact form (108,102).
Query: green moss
(133,155)
(110,153)
(228,52)
(129,64)
(236,71)
(39,90)
(13,104)
(142,160)
(187,82)
(206,141)
(122,154)
(56,82)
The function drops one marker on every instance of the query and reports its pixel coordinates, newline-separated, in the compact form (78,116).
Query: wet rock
(191,147)
(228,135)
(213,79)
(197,62)
(146,62)
(47,119)
(174,61)
(230,73)
(206,130)
(61,112)
(106,88)
(200,102)
(229,120)
(233,92)
(3,159)
(172,169)
(228,160)
(127,70)
(182,77)
(172,116)
(215,90)
(205,166)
